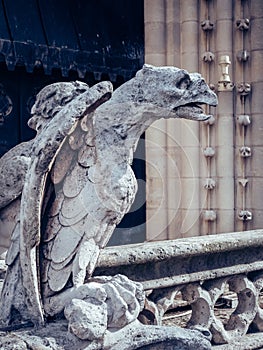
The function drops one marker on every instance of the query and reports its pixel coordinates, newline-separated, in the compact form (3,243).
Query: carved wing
(43,153)
(13,168)
(70,239)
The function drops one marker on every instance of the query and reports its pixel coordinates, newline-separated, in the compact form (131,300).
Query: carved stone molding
(243,88)
(245,151)
(244,119)
(208,57)
(207,25)
(245,215)
(209,152)
(258,283)
(244,314)
(209,215)
(243,24)
(209,184)
(212,86)
(243,55)
(243,182)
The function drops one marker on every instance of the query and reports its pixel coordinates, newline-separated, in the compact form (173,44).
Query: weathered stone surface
(12,343)
(66,219)
(238,249)
(87,319)
(195,258)
(54,336)
(220,262)
(134,336)
(125,300)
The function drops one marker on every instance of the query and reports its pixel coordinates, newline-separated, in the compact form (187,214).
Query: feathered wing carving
(13,168)
(68,242)
(42,152)
(73,236)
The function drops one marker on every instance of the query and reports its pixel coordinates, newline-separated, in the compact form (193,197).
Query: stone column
(255,135)
(241,47)
(173,131)
(225,124)
(190,170)
(162,47)
(208,68)
(156,157)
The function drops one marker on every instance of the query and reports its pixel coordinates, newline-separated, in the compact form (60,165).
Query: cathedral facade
(207,178)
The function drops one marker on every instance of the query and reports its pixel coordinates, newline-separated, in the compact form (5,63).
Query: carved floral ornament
(243,55)
(245,215)
(244,88)
(243,119)
(207,25)
(209,215)
(209,152)
(208,56)
(245,151)
(243,24)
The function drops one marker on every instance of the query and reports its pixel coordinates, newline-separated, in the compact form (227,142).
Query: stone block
(87,318)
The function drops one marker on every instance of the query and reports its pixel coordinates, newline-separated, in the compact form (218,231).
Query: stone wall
(207,178)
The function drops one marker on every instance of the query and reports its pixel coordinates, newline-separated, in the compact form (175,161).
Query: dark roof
(98,36)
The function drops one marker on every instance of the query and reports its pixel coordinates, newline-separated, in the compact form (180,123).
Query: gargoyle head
(176,90)
(51,99)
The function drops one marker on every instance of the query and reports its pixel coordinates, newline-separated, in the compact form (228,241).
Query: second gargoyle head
(51,99)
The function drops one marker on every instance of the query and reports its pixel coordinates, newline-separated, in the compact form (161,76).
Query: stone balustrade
(201,269)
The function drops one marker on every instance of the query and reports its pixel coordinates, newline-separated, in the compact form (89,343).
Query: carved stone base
(55,336)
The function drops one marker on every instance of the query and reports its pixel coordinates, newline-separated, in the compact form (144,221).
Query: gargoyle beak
(198,95)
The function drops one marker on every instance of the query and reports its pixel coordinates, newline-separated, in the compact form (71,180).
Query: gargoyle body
(74,184)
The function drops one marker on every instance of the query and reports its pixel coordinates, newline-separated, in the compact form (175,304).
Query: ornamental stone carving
(208,56)
(207,25)
(64,192)
(209,152)
(245,151)
(209,215)
(243,24)
(244,119)
(245,215)
(243,55)
(243,88)
(209,184)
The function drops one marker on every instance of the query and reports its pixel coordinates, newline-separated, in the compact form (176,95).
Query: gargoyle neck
(118,127)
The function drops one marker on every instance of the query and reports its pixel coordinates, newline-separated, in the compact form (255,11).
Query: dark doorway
(45,41)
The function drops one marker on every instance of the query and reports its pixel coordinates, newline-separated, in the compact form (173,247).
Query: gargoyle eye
(184,83)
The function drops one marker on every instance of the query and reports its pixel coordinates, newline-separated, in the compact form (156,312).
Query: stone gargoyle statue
(64,192)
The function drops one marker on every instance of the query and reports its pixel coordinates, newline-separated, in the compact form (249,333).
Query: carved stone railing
(200,269)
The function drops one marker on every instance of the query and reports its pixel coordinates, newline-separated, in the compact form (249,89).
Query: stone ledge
(253,341)
(183,247)
(170,263)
